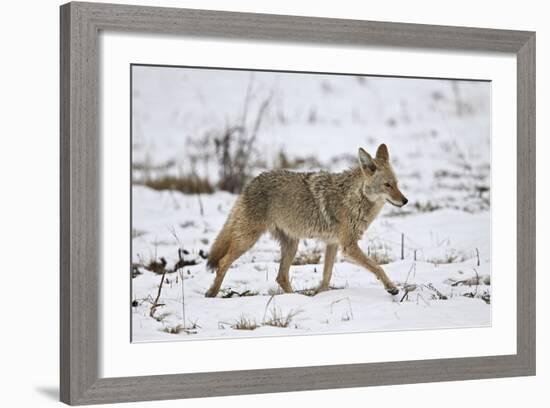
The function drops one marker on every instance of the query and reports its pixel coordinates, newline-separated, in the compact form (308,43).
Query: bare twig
(182,297)
(437,292)
(340,300)
(267,305)
(235,145)
(477,281)
(201,208)
(172,231)
(413,267)
(408,288)
(156,302)
(247,100)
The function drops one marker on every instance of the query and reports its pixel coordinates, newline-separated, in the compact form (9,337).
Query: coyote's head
(381,182)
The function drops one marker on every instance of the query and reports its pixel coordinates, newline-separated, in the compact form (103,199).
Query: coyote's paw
(392,291)
(285,285)
(210,293)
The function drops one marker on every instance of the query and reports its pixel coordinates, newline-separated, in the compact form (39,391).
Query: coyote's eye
(387,185)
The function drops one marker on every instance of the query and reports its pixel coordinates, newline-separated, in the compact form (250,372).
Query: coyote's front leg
(354,253)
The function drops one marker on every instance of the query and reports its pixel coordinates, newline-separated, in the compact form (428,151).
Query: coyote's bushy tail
(220,247)
(240,231)
(222,243)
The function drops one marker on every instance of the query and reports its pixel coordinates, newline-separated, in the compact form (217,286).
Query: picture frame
(80,157)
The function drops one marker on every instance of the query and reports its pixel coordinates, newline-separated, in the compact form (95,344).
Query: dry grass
(245,323)
(191,329)
(315,290)
(486,297)
(137,233)
(135,271)
(381,258)
(473,281)
(229,293)
(426,207)
(279,319)
(183,184)
(448,258)
(156,266)
(308,257)
(284,162)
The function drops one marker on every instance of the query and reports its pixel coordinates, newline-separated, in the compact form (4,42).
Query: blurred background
(203,130)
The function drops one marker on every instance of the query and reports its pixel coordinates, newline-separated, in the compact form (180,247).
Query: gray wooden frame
(80,192)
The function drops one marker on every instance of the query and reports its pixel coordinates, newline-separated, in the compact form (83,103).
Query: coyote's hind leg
(236,249)
(289,246)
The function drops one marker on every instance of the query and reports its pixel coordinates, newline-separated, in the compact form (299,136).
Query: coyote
(336,208)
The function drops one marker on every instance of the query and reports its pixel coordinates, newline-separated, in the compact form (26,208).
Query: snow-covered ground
(438,134)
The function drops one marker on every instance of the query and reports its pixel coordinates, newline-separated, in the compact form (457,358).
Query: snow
(440,156)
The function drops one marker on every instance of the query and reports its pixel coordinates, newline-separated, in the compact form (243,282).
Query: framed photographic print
(233,183)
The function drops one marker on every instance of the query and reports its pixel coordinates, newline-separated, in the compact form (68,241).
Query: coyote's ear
(366,162)
(382,153)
